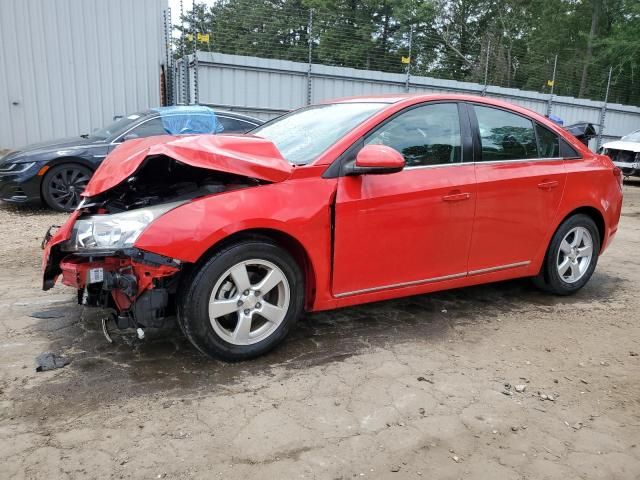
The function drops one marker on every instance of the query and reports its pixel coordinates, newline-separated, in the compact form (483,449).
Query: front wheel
(572,256)
(243,301)
(63,184)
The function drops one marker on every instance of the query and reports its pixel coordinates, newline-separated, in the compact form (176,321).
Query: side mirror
(377,159)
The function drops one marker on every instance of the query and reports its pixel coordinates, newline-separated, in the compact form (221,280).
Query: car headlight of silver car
(114,231)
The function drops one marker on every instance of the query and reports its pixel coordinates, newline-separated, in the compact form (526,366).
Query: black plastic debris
(47,314)
(50,361)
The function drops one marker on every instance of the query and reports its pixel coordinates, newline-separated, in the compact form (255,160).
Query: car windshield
(301,136)
(632,137)
(115,127)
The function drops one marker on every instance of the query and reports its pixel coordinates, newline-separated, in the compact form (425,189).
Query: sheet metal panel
(265,88)
(68,66)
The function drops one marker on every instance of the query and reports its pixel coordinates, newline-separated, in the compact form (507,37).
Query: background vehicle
(625,153)
(336,204)
(57,172)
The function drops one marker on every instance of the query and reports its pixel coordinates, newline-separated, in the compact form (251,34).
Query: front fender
(299,208)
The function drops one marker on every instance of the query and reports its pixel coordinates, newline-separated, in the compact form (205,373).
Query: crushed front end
(94,253)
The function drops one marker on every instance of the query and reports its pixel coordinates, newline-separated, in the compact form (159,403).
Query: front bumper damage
(137,287)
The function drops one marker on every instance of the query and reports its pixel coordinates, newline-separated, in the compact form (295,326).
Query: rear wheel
(63,184)
(572,256)
(243,301)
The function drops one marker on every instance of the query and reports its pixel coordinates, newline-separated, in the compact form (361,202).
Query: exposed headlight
(113,232)
(15,168)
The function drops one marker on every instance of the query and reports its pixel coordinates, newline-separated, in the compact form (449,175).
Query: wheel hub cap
(575,254)
(249,301)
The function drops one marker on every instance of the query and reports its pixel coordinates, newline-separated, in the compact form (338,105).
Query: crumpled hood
(245,155)
(623,145)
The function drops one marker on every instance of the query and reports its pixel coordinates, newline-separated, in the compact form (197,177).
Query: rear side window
(505,135)
(425,136)
(548,143)
(234,125)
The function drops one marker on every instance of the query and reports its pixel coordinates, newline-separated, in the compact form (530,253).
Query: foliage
(513,42)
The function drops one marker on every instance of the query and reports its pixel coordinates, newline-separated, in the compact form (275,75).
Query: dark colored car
(56,172)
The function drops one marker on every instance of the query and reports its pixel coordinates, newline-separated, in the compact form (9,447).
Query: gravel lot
(411,388)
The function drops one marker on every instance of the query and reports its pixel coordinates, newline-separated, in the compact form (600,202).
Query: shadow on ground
(165,363)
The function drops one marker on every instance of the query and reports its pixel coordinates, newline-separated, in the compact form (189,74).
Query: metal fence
(267,88)
(269,65)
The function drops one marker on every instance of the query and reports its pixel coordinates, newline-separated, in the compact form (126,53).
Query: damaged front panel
(95,251)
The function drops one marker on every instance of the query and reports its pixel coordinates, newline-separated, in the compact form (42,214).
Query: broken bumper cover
(131,283)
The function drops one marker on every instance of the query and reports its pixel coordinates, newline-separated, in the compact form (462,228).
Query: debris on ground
(521,388)
(50,361)
(395,468)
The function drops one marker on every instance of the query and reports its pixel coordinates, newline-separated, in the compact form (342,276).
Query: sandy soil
(411,388)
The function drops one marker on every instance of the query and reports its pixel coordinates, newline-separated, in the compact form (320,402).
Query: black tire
(549,278)
(63,184)
(197,289)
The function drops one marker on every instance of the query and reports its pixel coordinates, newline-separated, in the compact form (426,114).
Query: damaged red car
(336,204)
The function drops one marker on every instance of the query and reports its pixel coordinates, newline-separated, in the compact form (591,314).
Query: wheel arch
(592,213)
(283,240)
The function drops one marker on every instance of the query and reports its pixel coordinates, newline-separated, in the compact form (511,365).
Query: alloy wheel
(575,254)
(249,302)
(66,185)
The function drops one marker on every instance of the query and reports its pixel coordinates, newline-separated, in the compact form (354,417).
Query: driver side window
(426,135)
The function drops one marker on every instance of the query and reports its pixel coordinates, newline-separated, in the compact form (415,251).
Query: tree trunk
(596,6)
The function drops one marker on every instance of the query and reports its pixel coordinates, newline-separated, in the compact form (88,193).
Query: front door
(520,179)
(410,227)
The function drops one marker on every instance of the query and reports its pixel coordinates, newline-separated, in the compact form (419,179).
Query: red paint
(75,272)
(243,155)
(379,156)
(406,233)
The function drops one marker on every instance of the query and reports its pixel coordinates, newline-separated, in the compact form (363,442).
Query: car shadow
(165,363)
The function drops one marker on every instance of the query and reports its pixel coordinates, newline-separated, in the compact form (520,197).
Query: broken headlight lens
(115,231)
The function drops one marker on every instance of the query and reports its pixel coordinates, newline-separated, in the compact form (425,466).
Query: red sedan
(336,204)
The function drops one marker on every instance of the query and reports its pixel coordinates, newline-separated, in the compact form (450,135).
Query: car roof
(410,98)
(200,109)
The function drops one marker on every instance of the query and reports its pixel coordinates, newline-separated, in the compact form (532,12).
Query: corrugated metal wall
(68,66)
(267,88)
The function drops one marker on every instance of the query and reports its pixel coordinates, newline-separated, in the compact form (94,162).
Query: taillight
(617,172)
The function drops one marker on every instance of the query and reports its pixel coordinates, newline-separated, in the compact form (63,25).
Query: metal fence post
(553,84)
(196,93)
(486,69)
(167,66)
(603,111)
(310,41)
(408,79)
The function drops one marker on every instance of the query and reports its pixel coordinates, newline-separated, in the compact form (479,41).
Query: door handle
(548,185)
(456,197)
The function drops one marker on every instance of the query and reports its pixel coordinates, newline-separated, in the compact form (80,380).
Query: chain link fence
(398,45)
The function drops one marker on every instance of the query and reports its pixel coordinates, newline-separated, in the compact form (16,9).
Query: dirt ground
(411,388)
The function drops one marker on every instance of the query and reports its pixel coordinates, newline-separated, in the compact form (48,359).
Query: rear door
(414,226)
(520,180)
